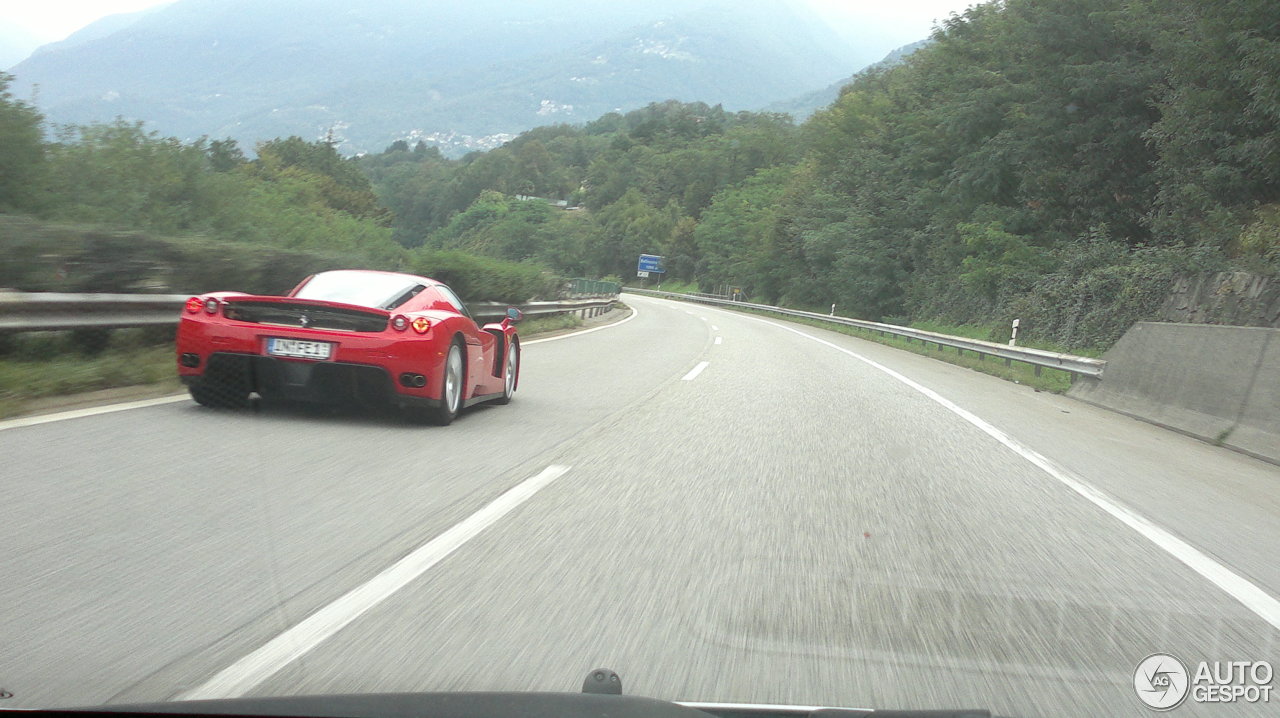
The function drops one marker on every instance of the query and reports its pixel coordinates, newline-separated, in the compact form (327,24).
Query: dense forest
(1059,161)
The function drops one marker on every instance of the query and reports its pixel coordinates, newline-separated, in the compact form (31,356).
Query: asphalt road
(786,523)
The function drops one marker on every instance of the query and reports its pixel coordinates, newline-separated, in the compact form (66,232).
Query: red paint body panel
(395,352)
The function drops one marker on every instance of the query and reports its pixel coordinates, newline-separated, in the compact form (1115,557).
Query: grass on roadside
(40,366)
(555,322)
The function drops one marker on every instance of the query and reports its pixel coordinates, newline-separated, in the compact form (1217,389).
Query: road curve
(745,514)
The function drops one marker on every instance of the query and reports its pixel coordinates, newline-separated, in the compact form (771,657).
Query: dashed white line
(1246,592)
(714,328)
(717,340)
(248,672)
(694,372)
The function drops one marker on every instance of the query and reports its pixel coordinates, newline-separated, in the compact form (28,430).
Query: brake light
(195,304)
(421,325)
(399,322)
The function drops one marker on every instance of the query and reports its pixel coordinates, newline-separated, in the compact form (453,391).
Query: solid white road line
(242,676)
(91,411)
(634,313)
(694,372)
(717,340)
(1253,597)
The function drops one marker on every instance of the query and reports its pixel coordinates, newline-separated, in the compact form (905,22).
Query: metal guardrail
(26,312)
(1039,358)
(39,312)
(584,307)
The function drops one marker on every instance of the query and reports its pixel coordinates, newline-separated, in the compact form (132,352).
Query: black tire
(511,374)
(218,395)
(455,364)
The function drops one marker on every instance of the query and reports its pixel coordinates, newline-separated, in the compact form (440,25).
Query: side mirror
(514,314)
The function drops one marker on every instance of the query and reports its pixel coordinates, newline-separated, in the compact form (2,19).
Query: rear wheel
(452,383)
(511,374)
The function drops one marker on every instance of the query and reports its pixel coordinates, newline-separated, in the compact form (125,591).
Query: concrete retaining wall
(1217,383)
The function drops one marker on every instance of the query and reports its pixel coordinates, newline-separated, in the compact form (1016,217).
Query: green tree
(22,151)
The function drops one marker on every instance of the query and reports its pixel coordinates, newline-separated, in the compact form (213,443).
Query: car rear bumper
(327,382)
(361,364)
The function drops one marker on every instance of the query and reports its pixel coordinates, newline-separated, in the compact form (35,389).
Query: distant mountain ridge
(461,75)
(803,106)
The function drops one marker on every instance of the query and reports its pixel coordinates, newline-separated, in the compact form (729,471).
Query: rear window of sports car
(382,291)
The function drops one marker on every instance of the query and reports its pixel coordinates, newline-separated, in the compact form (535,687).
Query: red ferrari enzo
(364,336)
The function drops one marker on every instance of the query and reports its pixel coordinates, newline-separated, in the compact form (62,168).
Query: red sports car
(370,337)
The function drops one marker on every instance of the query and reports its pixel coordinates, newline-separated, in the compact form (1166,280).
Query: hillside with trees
(1060,161)
(113,207)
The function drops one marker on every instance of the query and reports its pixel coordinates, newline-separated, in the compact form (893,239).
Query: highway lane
(175,536)
(792,526)
(789,525)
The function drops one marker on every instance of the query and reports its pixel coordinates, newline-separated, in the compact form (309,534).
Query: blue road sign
(650,263)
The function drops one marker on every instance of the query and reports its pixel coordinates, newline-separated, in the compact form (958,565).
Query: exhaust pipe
(415,381)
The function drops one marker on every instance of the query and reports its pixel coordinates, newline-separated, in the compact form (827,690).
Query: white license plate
(299,348)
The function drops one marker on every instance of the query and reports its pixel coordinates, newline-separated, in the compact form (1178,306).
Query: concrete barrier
(1258,431)
(1217,383)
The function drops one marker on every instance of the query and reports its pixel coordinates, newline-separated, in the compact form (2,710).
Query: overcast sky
(26,24)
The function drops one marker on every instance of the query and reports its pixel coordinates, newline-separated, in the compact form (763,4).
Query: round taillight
(195,304)
(399,322)
(210,306)
(421,325)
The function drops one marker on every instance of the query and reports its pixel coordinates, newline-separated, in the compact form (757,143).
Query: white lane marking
(717,340)
(91,411)
(634,313)
(714,328)
(703,318)
(694,372)
(688,312)
(242,676)
(1253,597)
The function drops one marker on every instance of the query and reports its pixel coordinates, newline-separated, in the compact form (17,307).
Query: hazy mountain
(464,74)
(100,28)
(810,102)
